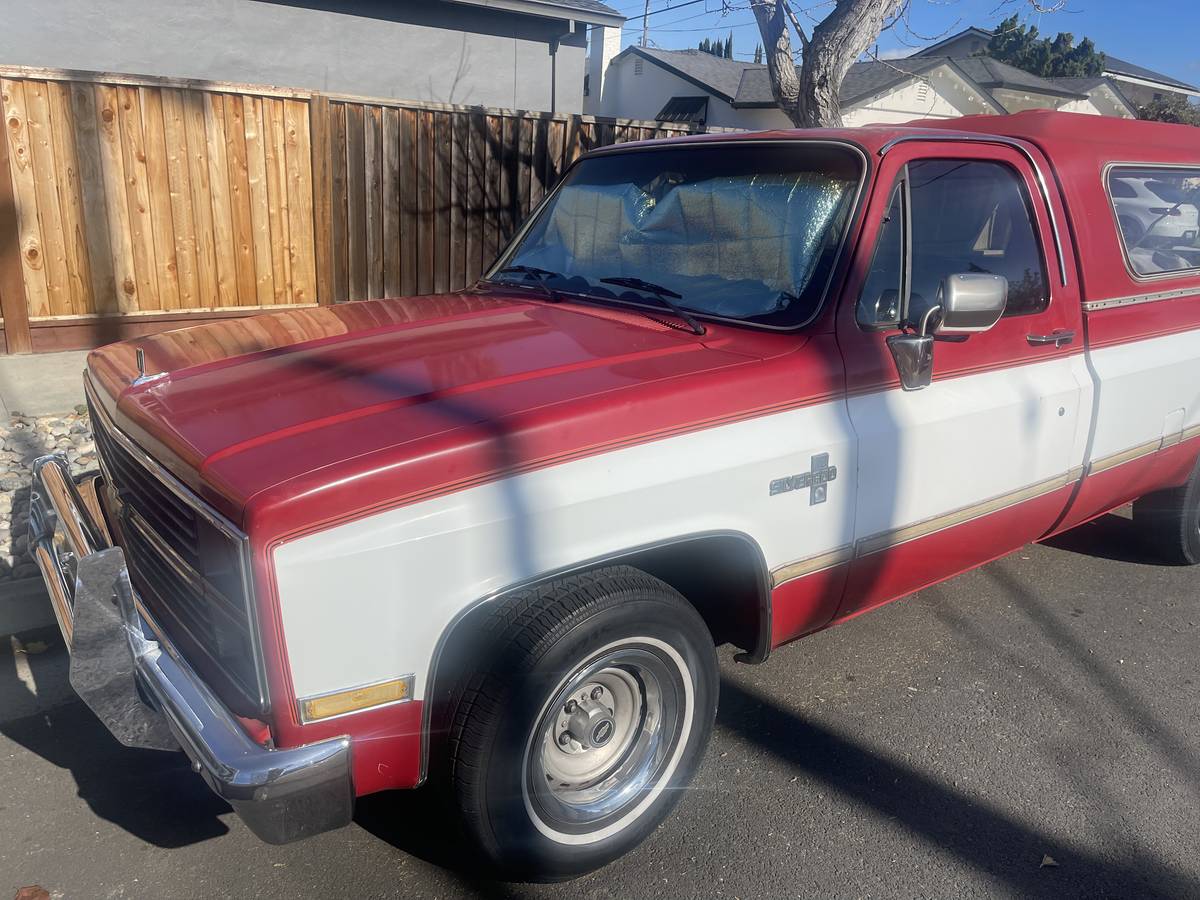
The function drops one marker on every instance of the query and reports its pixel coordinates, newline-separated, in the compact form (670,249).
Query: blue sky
(1159,34)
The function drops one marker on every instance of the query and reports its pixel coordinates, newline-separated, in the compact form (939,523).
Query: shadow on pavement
(421,824)
(988,839)
(1109,537)
(152,795)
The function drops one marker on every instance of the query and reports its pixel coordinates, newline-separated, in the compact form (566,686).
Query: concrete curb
(24,605)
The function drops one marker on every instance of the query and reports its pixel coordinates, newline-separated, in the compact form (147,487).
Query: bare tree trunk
(812,100)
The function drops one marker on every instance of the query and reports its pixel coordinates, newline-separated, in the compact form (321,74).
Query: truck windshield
(746,231)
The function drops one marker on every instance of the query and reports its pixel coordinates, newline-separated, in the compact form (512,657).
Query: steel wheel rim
(576,786)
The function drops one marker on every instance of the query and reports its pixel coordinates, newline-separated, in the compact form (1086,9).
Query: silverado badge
(816,479)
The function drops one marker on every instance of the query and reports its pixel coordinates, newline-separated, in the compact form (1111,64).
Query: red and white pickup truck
(727,389)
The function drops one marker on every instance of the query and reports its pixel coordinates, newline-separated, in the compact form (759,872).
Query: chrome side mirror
(913,354)
(971,302)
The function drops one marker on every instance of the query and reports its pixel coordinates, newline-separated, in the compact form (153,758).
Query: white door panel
(962,441)
(1142,386)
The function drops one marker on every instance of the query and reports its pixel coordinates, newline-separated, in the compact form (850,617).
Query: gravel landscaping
(22,440)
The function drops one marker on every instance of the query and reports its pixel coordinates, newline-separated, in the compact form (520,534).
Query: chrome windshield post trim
(969,137)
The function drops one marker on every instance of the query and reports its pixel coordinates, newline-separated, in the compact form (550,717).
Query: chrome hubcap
(604,737)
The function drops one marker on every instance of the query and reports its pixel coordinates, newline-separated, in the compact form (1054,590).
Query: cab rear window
(1158,217)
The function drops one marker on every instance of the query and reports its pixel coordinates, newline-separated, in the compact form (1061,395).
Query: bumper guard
(135,681)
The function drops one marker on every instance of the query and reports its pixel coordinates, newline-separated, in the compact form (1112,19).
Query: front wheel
(571,744)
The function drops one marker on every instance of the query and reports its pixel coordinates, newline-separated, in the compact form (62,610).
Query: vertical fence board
(179,184)
(14,306)
(356,196)
(459,266)
(476,193)
(196,140)
(239,201)
(278,222)
(441,157)
(70,197)
(260,205)
(222,212)
(54,249)
(339,199)
(137,192)
(391,203)
(408,201)
(373,208)
(318,117)
(29,232)
(159,189)
(95,199)
(112,172)
(300,191)
(425,201)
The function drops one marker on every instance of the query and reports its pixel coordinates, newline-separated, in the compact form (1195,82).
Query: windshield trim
(835,264)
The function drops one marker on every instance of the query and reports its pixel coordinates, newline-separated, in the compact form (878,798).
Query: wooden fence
(137,204)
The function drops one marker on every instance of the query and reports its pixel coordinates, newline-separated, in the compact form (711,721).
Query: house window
(637,67)
(922,91)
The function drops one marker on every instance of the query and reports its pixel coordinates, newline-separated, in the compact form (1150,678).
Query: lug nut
(565,738)
(597,693)
(570,707)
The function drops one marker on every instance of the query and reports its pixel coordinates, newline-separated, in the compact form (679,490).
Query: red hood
(395,397)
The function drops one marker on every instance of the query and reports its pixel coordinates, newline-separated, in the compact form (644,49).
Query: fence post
(13,304)
(322,187)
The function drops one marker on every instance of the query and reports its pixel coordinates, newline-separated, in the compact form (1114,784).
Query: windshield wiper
(666,295)
(538,277)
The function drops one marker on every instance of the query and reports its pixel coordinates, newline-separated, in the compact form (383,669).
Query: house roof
(1112,64)
(863,79)
(1116,66)
(991,73)
(933,49)
(593,12)
(714,74)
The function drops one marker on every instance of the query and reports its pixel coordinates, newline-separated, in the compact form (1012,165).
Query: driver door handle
(1058,338)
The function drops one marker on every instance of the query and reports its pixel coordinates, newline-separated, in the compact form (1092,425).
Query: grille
(188,566)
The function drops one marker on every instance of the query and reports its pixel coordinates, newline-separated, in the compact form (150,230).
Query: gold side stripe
(886,539)
(1116,459)
(1189,433)
(812,564)
(890,538)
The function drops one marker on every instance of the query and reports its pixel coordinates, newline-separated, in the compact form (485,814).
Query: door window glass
(973,216)
(879,302)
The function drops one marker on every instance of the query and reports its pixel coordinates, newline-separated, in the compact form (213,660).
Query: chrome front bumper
(131,676)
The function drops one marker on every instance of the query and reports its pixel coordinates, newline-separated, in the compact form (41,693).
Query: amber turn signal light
(356,699)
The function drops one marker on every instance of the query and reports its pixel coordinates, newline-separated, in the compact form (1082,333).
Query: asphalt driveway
(1029,729)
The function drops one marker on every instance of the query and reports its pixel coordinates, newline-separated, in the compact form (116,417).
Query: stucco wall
(419,50)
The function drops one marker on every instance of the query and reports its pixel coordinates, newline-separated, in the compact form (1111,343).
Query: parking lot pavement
(1029,729)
